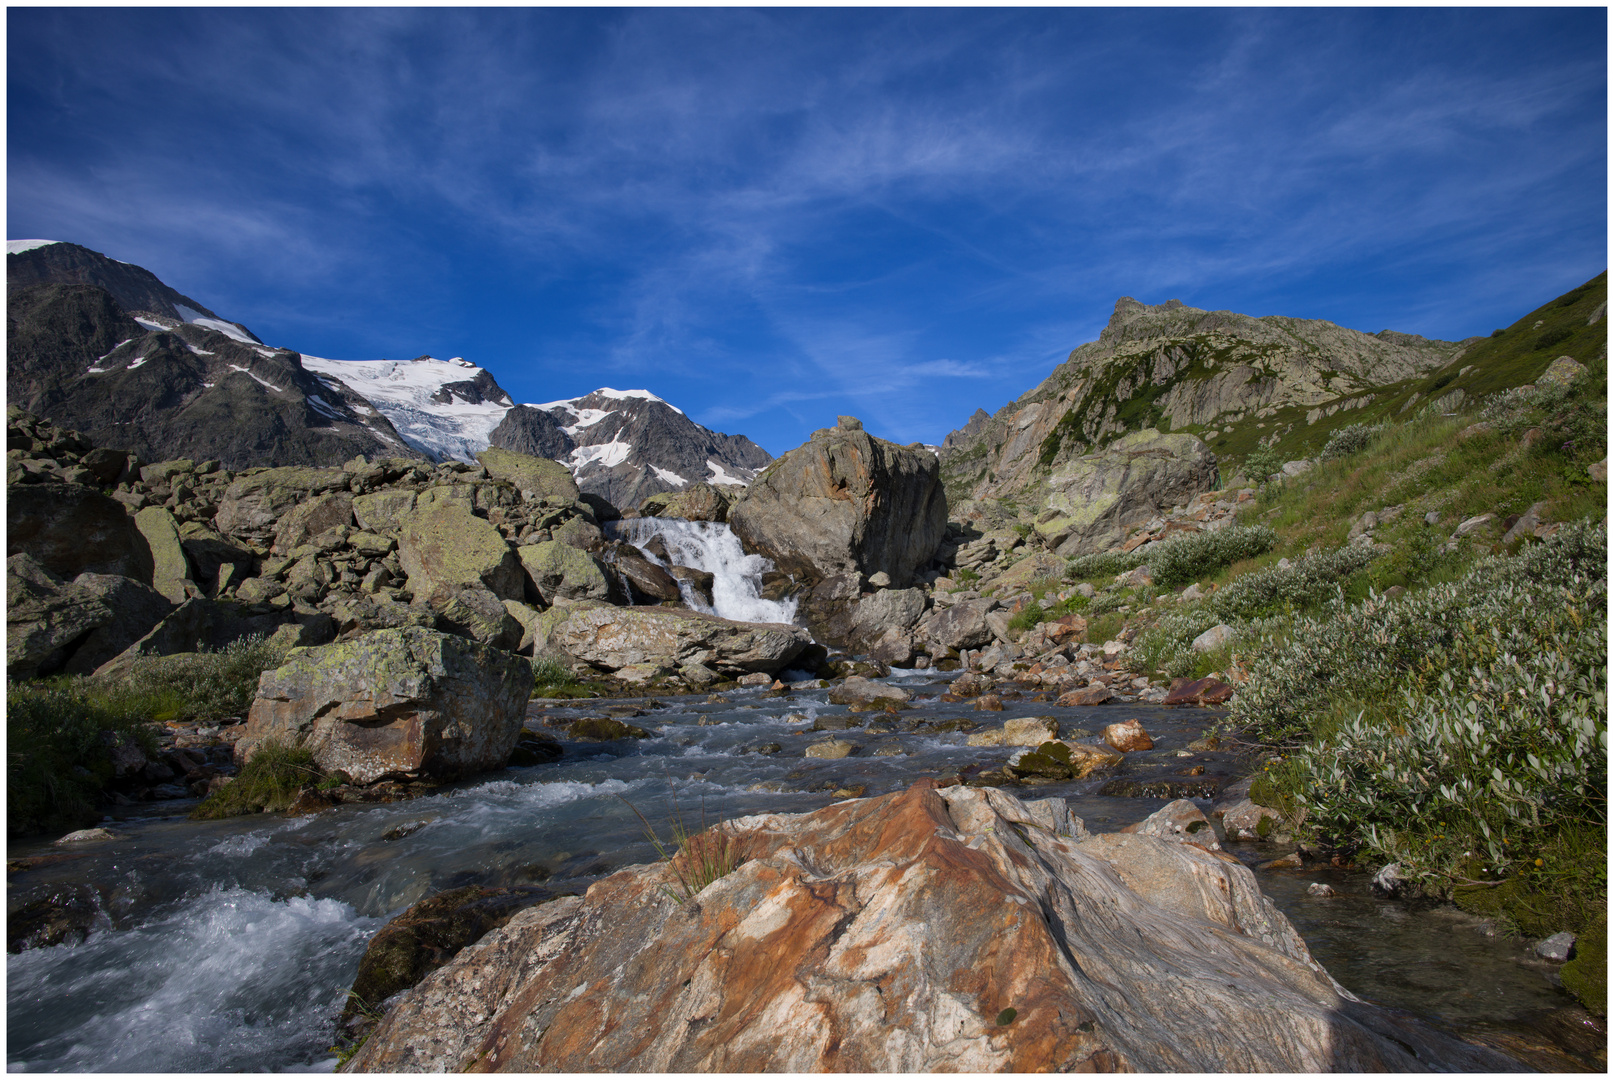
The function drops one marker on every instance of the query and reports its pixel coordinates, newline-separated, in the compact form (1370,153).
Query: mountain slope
(1178,369)
(442,408)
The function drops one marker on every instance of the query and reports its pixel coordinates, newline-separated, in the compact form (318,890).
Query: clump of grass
(209,685)
(1028,616)
(59,736)
(697,858)
(1351,439)
(268,782)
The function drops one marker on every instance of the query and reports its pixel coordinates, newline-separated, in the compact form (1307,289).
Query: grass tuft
(268,783)
(697,858)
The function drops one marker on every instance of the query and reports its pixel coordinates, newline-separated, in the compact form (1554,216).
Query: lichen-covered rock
(308,519)
(481,616)
(860,691)
(557,570)
(535,477)
(197,624)
(845,502)
(923,931)
(610,638)
(444,547)
(255,501)
(382,511)
(1094,499)
(170,570)
(1020,731)
(406,702)
(698,502)
(963,625)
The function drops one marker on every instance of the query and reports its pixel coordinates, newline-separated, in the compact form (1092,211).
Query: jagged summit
(626,445)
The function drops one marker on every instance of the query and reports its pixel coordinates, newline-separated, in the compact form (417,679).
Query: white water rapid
(712,547)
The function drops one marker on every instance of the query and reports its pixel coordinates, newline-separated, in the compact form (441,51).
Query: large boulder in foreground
(845,502)
(612,638)
(955,930)
(408,702)
(71,529)
(1094,499)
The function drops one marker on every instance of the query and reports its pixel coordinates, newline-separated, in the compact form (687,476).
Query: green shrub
(1351,439)
(59,735)
(1028,616)
(208,685)
(1261,463)
(269,781)
(1101,564)
(1187,557)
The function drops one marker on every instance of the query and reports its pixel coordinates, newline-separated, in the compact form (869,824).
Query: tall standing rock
(845,502)
(406,702)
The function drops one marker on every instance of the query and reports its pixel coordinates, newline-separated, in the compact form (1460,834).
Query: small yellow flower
(1541,862)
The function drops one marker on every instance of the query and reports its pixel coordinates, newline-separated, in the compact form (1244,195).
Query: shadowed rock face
(956,930)
(845,502)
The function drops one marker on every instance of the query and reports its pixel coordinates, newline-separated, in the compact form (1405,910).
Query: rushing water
(229,945)
(712,547)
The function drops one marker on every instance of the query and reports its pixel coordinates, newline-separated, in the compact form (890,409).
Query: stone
(430,934)
(1473,524)
(1095,499)
(381,511)
(1179,820)
(930,913)
(963,625)
(1128,736)
(136,611)
(610,638)
(528,618)
(479,615)
(254,502)
(831,749)
(1086,695)
(1526,524)
(1217,636)
(196,625)
(604,729)
(71,530)
(647,580)
(698,502)
(845,503)
(1559,947)
(988,703)
(53,915)
(857,690)
(85,836)
(1290,861)
(171,571)
(1243,821)
(1206,691)
(308,519)
(1561,372)
(444,547)
(47,618)
(1390,882)
(1020,731)
(895,648)
(535,477)
(970,684)
(888,609)
(394,703)
(1318,889)
(559,570)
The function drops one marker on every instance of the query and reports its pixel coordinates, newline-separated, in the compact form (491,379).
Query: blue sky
(774,216)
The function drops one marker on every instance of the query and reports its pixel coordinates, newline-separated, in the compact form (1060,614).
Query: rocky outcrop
(394,703)
(537,478)
(929,930)
(1093,500)
(698,502)
(47,618)
(667,639)
(72,529)
(845,503)
(443,547)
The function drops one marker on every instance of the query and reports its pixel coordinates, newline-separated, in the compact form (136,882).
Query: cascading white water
(711,546)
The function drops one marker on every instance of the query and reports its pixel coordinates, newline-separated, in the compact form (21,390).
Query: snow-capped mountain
(627,445)
(105,347)
(443,408)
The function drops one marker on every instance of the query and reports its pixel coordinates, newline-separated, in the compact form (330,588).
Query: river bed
(230,945)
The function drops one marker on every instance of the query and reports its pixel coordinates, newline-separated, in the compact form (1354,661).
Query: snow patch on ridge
(17,247)
(605,455)
(238,367)
(721,476)
(228,329)
(669,477)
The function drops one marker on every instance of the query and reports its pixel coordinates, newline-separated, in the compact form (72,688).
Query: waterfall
(712,547)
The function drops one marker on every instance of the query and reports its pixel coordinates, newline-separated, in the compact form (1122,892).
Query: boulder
(1206,691)
(46,618)
(610,638)
(698,502)
(888,609)
(535,477)
(1561,372)
(254,502)
(1097,694)
(444,547)
(1178,820)
(308,519)
(963,625)
(479,615)
(1021,731)
(557,570)
(71,530)
(860,691)
(649,582)
(1128,736)
(136,611)
(170,571)
(194,626)
(1214,638)
(1095,499)
(922,931)
(381,511)
(845,502)
(394,703)
(1059,759)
